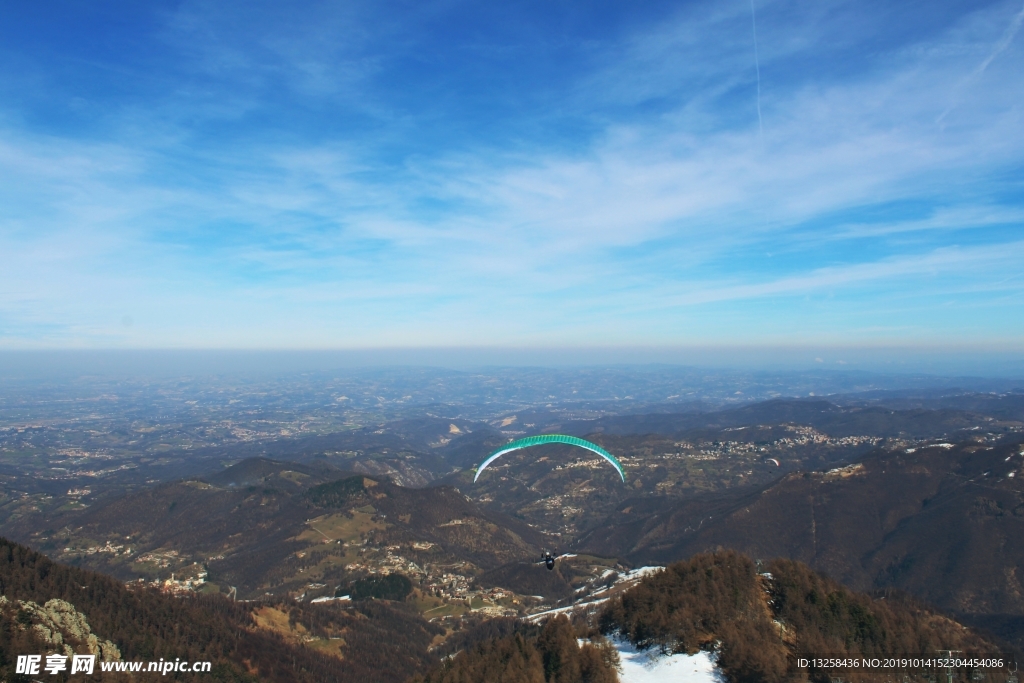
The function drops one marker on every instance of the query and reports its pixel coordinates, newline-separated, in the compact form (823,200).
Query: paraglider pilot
(549,560)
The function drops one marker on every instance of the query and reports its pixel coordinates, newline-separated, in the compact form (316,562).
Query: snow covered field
(650,666)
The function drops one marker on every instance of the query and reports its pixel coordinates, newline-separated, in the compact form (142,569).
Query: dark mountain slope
(551,654)
(445,516)
(761,623)
(413,452)
(257,530)
(1008,406)
(469,450)
(147,625)
(818,413)
(941,523)
(255,470)
(809,411)
(529,578)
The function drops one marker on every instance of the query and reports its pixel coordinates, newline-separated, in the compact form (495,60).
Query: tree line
(760,623)
(383,642)
(549,654)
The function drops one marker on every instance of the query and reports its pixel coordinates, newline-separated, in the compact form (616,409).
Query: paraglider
(549,560)
(551,438)
(774,461)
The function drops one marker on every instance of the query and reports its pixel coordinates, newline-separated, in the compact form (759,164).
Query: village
(185,581)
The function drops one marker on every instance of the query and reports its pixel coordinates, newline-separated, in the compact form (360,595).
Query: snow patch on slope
(651,666)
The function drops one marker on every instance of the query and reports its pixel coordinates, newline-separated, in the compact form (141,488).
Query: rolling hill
(269,527)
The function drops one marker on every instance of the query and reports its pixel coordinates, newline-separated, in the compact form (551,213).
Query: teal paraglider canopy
(551,438)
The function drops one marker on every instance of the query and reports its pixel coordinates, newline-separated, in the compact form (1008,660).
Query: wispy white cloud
(943,219)
(893,272)
(294,237)
(1003,42)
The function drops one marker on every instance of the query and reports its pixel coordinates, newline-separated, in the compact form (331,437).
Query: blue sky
(352,175)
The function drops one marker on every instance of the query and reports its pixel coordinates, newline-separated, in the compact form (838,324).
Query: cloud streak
(307,186)
(1002,43)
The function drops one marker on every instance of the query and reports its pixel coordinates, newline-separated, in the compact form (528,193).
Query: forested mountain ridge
(761,622)
(839,416)
(267,526)
(757,622)
(925,500)
(941,522)
(552,653)
(380,643)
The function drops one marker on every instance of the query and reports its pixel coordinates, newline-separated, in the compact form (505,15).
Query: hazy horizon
(941,363)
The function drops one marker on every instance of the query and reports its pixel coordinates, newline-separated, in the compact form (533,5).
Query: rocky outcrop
(58,627)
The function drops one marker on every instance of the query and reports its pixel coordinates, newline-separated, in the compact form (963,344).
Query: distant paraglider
(551,438)
(549,560)
(777,464)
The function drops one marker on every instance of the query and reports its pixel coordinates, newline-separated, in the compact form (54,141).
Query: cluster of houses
(106,548)
(190,581)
